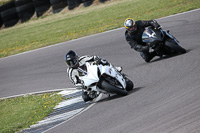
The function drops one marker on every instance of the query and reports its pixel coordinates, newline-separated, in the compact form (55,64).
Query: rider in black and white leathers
(76,69)
(73,73)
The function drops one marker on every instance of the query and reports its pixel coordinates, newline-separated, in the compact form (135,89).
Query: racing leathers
(134,38)
(74,73)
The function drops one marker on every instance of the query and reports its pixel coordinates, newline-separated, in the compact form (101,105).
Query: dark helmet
(129,24)
(71,59)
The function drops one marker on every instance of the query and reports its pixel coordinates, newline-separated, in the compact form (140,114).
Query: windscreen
(148,35)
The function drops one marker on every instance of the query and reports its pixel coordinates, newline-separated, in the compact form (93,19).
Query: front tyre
(113,89)
(129,85)
(174,46)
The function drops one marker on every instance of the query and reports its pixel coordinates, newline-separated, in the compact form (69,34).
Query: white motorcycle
(98,78)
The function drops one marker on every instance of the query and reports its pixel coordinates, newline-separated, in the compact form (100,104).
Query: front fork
(172,37)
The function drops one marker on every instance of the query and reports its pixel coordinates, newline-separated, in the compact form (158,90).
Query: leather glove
(98,61)
(155,24)
(101,61)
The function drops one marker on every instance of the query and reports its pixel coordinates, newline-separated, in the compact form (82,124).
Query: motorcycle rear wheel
(113,89)
(86,97)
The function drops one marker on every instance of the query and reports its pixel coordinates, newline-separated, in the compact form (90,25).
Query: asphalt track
(166,96)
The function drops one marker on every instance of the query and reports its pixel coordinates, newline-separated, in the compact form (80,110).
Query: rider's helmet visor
(71,63)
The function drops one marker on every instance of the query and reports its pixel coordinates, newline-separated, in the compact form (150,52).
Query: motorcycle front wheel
(174,46)
(113,89)
(129,85)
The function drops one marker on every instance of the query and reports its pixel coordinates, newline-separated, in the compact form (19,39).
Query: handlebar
(159,28)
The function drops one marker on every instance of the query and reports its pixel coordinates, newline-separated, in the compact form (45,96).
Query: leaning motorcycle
(99,78)
(162,42)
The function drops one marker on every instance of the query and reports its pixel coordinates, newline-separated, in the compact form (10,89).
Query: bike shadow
(135,90)
(168,56)
(114,96)
(156,59)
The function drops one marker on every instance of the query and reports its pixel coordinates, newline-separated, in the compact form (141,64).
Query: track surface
(166,98)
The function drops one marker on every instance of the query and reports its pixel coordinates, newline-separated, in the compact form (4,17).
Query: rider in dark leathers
(133,35)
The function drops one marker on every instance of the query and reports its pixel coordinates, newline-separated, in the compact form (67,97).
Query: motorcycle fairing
(92,77)
(111,71)
(151,36)
(172,37)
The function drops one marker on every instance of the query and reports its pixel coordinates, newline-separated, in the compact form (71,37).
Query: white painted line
(69,102)
(68,92)
(41,92)
(179,14)
(56,118)
(71,117)
(34,93)
(97,99)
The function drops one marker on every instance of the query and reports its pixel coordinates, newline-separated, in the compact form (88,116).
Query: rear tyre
(87,3)
(1,21)
(25,12)
(41,6)
(113,89)
(58,5)
(10,17)
(173,45)
(71,4)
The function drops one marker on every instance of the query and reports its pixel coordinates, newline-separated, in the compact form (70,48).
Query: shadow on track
(112,97)
(161,58)
(167,57)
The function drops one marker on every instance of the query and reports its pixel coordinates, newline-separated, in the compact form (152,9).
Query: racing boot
(86,97)
(148,56)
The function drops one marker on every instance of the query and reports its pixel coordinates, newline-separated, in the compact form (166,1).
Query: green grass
(21,112)
(80,22)
(4,2)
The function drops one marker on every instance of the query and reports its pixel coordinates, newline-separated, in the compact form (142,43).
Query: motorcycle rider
(133,35)
(75,69)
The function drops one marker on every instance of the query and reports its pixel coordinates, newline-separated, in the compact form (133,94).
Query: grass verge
(68,25)
(4,2)
(21,112)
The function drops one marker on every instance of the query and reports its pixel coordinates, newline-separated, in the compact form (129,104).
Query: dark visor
(71,63)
